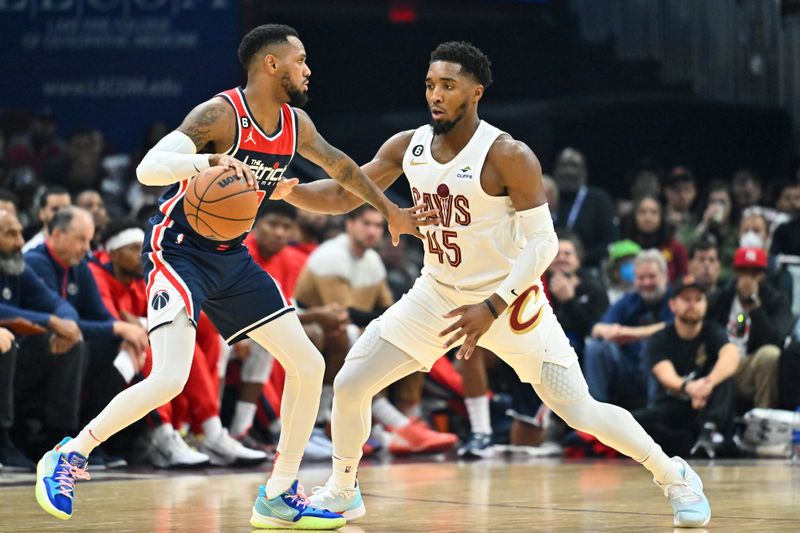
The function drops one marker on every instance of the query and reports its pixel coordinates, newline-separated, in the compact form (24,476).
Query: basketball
(219,205)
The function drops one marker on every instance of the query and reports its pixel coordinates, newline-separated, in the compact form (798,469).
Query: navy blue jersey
(268,156)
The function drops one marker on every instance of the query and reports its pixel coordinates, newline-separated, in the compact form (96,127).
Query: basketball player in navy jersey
(255,130)
(480,285)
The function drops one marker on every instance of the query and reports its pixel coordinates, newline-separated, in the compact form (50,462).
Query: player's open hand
(476,319)
(284,188)
(228,162)
(409,219)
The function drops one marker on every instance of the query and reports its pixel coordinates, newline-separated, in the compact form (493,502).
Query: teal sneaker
(689,504)
(56,474)
(347,503)
(291,510)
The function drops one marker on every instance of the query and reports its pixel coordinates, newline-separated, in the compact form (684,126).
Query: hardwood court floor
(498,495)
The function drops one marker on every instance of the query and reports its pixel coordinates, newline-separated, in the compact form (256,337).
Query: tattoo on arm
(345,172)
(199,123)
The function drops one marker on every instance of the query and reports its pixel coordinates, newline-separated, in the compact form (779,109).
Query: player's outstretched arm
(520,174)
(341,168)
(328,197)
(175,157)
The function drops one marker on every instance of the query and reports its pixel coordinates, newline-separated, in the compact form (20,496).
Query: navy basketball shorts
(235,293)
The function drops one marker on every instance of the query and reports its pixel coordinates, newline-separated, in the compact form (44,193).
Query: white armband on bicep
(537,226)
(174,158)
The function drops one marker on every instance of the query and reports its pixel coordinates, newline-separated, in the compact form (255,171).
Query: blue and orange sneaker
(56,475)
(291,510)
(689,504)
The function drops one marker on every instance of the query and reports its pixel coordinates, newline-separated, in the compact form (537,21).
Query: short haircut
(53,190)
(651,255)
(63,218)
(280,208)
(259,37)
(471,59)
(8,196)
(705,243)
(359,211)
(117,226)
(564,234)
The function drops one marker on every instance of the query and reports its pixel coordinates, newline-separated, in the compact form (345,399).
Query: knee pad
(564,384)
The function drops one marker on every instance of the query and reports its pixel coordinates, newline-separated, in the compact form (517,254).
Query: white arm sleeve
(537,226)
(174,158)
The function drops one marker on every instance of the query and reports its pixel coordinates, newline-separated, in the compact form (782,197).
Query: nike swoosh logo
(514,292)
(415,163)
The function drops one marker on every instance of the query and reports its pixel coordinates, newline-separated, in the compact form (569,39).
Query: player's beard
(297,97)
(442,127)
(12,263)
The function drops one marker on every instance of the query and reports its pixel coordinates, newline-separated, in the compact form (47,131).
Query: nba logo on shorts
(160,300)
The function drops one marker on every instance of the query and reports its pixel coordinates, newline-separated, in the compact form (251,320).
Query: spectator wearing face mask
(620,274)
(754,233)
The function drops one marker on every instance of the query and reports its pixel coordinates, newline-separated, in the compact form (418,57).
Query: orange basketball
(219,205)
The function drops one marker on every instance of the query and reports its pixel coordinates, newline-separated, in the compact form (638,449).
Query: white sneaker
(689,504)
(171,451)
(319,447)
(347,503)
(224,450)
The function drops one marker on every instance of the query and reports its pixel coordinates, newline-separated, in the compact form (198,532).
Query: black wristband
(491,308)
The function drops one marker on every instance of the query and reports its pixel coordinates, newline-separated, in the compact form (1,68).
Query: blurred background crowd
(675,191)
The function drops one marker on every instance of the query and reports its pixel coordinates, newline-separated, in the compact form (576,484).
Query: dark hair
(565,234)
(53,190)
(261,36)
(280,208)
(63,218)
(359,211)
(117,226)
(471,59)
(631,231)
(8,196)
(705,243)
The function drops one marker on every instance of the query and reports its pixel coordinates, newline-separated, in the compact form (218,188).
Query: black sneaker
(477,446)
(13,460)
(709,441)
(107,461)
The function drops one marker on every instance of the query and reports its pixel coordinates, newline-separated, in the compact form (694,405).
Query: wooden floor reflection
(502,496)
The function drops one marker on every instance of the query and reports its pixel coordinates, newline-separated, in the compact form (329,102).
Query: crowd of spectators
(681,305)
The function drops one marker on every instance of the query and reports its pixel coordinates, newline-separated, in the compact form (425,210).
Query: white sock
(84,443)
(344,473)
(243,417)
(212,428)
(664,469)
(388,414)
(284,472)
(415,410)
(479,417)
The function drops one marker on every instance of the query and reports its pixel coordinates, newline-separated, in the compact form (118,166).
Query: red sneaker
(417,437)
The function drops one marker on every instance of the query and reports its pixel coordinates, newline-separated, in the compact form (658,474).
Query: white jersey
(478,239)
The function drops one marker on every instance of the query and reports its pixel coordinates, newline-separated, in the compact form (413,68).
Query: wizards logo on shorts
(160,300)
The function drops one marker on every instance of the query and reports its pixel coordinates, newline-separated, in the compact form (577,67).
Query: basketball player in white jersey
(480,284)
